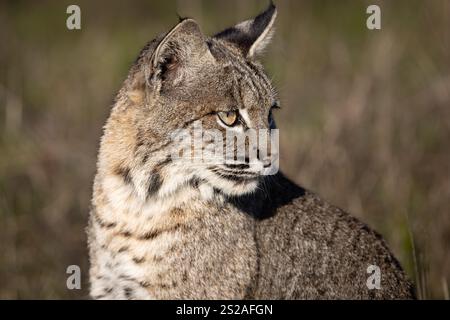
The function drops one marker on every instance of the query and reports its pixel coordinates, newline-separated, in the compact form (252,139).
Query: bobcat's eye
(229,118)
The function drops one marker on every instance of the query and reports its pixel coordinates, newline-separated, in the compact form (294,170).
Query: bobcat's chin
(230,184)
(236,188)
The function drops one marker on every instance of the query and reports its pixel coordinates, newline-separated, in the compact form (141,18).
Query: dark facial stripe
(237,172)
(163,163)
(186,124)
(102,223)
(145,149)
(154,183)
(194,182)
(155,180)
(138,260)
(155,233)
(233,177)
(237,166)
(144,284)
(124,173)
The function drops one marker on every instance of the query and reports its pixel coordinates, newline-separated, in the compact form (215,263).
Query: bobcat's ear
(179,53)
(252,36)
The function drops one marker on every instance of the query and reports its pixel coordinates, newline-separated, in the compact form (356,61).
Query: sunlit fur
(165,228)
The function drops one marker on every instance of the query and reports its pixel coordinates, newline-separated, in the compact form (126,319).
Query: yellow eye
(229,118)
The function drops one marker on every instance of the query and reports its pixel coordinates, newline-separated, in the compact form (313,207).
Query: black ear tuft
(180,18)
(252,36)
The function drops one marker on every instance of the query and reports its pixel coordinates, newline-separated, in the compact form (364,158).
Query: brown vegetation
(365,121)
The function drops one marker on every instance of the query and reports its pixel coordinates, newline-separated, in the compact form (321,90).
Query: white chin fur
(241,188)
(228,187)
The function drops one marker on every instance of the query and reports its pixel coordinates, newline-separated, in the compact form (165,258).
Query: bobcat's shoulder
(325,252)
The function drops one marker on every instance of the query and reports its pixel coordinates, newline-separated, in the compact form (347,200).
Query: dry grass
(365,121)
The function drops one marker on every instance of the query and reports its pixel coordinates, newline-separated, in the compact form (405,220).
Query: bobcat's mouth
(239,174)
(234,180)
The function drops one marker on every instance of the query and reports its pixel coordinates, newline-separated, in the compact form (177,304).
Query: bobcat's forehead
(250,86)
(232,83)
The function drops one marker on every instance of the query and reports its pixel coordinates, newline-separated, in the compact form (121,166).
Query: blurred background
(365,121)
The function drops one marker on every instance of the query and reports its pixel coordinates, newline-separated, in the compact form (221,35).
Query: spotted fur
(167,229)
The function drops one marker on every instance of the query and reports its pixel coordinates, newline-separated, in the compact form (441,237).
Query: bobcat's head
(182,81)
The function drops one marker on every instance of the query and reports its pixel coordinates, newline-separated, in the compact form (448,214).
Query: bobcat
(165,228)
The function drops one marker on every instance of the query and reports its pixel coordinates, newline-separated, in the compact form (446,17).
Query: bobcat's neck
(117,201)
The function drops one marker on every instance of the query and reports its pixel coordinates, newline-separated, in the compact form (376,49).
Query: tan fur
(169,229)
